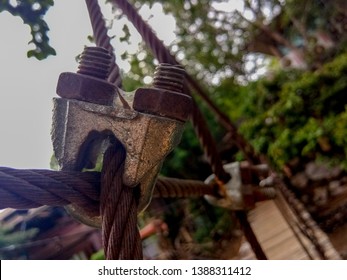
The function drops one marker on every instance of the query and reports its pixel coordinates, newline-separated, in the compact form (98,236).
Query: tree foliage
(219,40)
(301,117)
(32,13)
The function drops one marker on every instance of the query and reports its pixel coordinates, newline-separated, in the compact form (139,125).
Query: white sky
(27,86)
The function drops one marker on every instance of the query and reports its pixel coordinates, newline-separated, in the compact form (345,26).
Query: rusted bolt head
(162,102)
(85,88)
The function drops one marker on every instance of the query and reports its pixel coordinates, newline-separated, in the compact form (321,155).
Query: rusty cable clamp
(248,184)
(91,112)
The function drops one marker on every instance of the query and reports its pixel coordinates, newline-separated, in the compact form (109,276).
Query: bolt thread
(95,62)
(265,193)
(269,193)
(170,77)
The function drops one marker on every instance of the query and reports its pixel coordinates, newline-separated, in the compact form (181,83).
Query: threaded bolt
(90,83)
(95,62)
(169,77)
(261,194)
(165,98)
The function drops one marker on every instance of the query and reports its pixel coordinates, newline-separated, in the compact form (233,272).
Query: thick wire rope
(118,205)
(61,188)
(102,39)
(118,209)
(310,227)
(25,189)
(30,188)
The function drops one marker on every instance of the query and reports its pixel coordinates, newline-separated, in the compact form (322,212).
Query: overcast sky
(27,86)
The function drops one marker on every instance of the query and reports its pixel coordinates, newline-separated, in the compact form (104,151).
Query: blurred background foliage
(303,118)
(277,68)
(10,238)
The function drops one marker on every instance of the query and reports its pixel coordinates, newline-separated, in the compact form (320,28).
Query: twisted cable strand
(118,208)
(209,145)
(82,188)
(235,136)
(310,227)
(250,235)
(103,40)
(34,188)
(146,32)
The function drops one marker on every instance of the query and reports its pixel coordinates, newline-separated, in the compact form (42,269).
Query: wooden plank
(278,230)
(274,233)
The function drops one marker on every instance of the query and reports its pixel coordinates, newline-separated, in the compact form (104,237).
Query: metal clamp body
(148,139)
(90,113)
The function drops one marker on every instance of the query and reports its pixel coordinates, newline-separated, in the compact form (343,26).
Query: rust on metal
(148,139)
(243,190)
(166,97)
(95,62)
(81,129)
(170,77)
(163,103)
(103,40)
(90,83)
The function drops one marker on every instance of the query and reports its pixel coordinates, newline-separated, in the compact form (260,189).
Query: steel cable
(102,39)
(81,188)
(209,145)
(118,209)
(24,189)
(310,227)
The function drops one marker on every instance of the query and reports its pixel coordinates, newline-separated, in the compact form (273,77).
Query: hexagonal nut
(85,88)
(162,102)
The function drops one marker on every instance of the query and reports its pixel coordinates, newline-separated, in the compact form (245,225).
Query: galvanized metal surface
(149,131)
(81,126)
